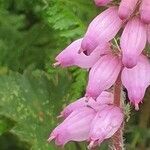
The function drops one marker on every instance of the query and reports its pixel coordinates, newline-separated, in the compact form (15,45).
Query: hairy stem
(117,139)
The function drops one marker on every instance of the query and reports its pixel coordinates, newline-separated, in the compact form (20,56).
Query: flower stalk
(117,139)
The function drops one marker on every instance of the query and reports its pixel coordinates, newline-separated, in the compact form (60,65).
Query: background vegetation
(32,92)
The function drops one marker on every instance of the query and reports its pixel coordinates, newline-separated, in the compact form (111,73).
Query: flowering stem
(117,139)
(117,91)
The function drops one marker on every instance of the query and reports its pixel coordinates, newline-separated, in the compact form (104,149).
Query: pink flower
(75,127)
(106,122)
(136,80)
(126,8)
(70,56)
(102,2)
(102,29)
(133,41)
(103,75)
(145,11)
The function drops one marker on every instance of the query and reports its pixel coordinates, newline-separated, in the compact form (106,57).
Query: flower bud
(70,56)
(145,11)
(106,122)
(126,8)
(102,29)
(133,41)
(136,80)
(103,75)
(75,127)
(102,2)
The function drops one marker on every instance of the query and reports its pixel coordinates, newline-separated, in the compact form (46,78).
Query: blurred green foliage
(32,92)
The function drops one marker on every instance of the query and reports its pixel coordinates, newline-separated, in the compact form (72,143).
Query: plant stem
(117,139)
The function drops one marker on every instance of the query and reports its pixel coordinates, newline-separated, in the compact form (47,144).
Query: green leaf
(33,100)
(70,17)
(5,124)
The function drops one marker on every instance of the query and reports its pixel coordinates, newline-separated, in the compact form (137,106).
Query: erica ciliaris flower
(106,122)
(102,29)
(96,116)
(133,41)
(103,75)
(136,80)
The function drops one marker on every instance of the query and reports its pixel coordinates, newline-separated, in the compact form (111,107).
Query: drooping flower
(133,41)
(102,29)
(136,80)
(70,56)
(145,11)
(102,2)
(75,127)
(103,75)
(126,8)
(106,122)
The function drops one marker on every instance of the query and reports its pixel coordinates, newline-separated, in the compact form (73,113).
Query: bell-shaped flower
(136,80)
(133,41)
(126,8)
(105,124)
(145,11)
(103,75)
(75,127)
(102,29)
(102,2)
(70,56)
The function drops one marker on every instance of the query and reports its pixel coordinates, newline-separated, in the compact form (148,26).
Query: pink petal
(136,80)
(106,122)
(133,43)
(145,11)
(67,56)
(103,75)
(70,55)
(102,29)
(126,8)
(80,103)
(105,98)
(75,127)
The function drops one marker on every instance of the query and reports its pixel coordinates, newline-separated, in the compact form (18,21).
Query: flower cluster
(95,117)
(93,121)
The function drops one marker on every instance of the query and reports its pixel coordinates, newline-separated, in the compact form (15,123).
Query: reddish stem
(117,91)
(117,139)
